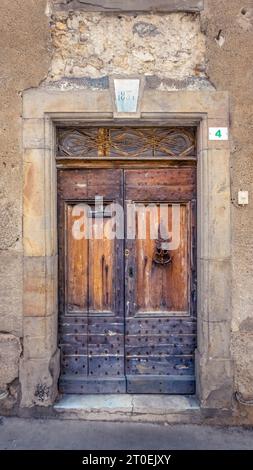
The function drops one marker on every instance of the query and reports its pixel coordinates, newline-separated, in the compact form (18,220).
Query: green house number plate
(218,133)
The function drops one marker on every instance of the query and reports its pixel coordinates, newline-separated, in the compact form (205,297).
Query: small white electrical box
(243,198)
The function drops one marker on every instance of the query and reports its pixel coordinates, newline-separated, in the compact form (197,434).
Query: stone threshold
(141,408)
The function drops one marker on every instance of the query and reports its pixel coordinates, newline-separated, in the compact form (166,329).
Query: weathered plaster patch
(242,349)
(10,350)
(245,19)
(152,82)
(9,230)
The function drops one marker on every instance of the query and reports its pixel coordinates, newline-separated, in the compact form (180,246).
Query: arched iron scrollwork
(126,142)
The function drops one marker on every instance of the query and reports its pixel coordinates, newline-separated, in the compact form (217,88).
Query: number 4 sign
(218,133)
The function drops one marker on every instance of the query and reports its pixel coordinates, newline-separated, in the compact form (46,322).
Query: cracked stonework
(86,46)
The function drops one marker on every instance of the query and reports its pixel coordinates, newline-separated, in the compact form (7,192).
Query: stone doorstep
(146,408)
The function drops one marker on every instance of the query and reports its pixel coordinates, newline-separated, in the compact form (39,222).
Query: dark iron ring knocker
(162,257)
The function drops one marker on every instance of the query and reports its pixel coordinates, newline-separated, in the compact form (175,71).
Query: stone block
(219,204)
(163,404)
(36,102)
(50,189)
(34,175)
(40,337)
(33,134)
(214,382)
(39,202)
(34,218)
(214,104)
(39,379)
(214,290)
(214,205)
(214,339)
(40,286)
(10,350)
(34,241)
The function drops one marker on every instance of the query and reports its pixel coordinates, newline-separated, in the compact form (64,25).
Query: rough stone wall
(24,62)
(95,45)
(228,25)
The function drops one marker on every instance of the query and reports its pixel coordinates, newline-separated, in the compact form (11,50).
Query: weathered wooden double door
(127,321)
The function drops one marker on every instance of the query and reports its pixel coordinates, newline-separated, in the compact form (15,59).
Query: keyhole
(131,272)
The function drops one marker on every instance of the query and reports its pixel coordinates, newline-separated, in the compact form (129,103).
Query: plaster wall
(228,27)
(24,62)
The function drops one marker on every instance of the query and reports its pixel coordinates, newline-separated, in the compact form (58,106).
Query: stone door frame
(43,111)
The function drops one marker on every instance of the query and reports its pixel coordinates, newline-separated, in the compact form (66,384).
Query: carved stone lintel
(130,5)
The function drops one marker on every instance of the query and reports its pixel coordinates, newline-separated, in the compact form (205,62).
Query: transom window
(105,142)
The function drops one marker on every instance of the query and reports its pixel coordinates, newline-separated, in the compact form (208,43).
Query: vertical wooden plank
(101,273)
(91,332)
(160,325)
(76,266)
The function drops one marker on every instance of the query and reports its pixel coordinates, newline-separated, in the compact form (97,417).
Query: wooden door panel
(175,184)
(166,347)
(76,267)
(91,317)
(90,267)
(101,262)
(166,384)
(73,365)
(140,337)
(160,282)
(160,365)
(143,327)
(157,285)
(84,185)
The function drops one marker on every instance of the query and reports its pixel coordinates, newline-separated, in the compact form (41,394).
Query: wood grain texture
(163,289)
(77,275)
(174,185)
(101,262)
(160,339)
(91,317)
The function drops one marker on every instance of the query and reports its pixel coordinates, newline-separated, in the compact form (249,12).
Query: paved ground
(82,435)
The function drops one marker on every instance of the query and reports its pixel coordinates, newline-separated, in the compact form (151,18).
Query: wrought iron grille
(103,142)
